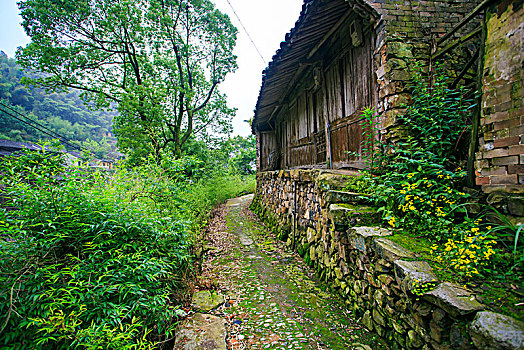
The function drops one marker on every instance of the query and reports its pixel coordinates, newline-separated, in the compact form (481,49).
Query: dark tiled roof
(12,146)
(316,20)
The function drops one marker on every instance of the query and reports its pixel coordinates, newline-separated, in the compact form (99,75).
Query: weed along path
(264,294)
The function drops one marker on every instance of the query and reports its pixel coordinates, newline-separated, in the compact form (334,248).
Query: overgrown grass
(97,261)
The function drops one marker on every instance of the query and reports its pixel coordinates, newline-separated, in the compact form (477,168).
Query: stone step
(202,331)
(346,215)
(334,196)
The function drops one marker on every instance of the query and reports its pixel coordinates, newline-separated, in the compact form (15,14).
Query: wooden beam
(457,42)
(328,35)
(327,131)
(470,166)
(466,68)
(465,20)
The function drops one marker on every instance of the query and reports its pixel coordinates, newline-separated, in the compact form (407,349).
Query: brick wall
(406,35)
(500,160)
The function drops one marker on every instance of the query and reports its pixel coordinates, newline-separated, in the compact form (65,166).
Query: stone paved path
(273,300)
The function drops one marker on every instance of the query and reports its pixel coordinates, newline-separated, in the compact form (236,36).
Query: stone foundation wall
(393,293)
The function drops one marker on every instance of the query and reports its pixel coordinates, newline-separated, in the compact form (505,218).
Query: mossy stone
(391,251)
(453,299)
(207,300)
(490,330)
(200,332)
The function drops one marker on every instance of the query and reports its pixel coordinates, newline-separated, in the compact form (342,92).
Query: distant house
(115,156)
(8,147)
(110,159)
(105,163)
(72,158)
(78,158)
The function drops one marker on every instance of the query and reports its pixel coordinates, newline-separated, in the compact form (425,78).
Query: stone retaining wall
(396,295)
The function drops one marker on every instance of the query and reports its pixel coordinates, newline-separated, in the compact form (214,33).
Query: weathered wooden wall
(336,92)
(350,86)
(268,146)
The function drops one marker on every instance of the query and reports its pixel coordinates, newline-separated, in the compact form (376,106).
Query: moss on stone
(418,245)
(345,215)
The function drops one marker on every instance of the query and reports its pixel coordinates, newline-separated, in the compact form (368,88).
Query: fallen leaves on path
(273,300)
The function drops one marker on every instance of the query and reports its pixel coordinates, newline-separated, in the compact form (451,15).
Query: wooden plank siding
(268,145)
(336,91)
(347,95)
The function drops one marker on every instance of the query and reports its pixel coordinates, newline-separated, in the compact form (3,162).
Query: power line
(52,134)
(43,131)
(245,30)
(55,134)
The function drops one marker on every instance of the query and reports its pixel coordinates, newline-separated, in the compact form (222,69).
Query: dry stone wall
(395,294)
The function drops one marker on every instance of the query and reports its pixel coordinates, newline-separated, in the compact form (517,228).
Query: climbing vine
(419,185)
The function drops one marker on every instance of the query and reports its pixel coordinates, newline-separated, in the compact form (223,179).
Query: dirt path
(273,300)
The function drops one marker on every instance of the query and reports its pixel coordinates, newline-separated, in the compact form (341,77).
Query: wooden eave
(312,30)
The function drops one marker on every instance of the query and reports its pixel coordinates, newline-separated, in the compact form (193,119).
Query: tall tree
(160,60)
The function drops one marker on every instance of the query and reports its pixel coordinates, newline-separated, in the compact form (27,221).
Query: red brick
(497,117)
(496,170)
(482,180)
(506,160)
(516,150)
(503,88)
(503,106)
(516,169)
(517,112)
(507,141)
(519,130)
(506,124)
(499,152)
(504,179)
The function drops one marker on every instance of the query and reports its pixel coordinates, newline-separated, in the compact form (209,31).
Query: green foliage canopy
(160,60)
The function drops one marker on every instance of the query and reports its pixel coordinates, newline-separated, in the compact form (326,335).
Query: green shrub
(96,260)
(81,268)
(419,187)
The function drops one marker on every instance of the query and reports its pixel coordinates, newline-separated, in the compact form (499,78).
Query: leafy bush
(80,267)
(419,186)
(96,260)
(467,250)
(437,119)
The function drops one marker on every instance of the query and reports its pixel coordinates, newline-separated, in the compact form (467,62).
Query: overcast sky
(267,21)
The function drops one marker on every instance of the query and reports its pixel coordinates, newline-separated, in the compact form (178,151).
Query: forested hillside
(65,113)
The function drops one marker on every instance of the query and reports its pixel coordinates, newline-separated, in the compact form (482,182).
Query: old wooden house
(341,57)
(346,55)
